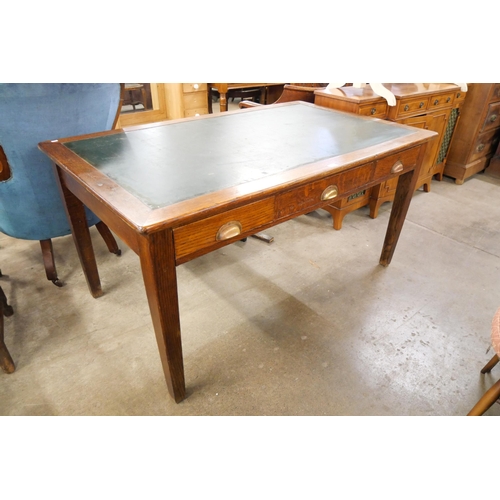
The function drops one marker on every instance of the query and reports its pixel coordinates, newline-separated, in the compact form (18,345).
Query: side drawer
(194,87)
(485,144)
(377,110)
(309,196)
(492,119)
(396,164)
(228,226)
(411,106)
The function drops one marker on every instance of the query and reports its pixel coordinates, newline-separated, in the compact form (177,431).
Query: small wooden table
(176,190)
(268,92)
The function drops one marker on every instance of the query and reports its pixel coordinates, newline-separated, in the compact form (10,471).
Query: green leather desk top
(163,165)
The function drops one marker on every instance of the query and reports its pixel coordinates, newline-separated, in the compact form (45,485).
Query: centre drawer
(396,163)
(227,226)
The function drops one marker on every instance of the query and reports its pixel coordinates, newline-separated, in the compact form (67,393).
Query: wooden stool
(493,393)
(6,362)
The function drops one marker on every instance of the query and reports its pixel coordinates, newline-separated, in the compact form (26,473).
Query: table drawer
(228,226)
(378,110)
(492,119)
(412,106)
(441,101)
(396,164)
(322,192)
(485,144)
(195,100)
(194,87)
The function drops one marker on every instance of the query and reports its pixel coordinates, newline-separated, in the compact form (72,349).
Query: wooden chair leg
(6,362)
(490,396)
(490,364)
(108,238)
(49,262)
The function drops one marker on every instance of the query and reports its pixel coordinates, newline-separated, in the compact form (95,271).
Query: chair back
(30,203)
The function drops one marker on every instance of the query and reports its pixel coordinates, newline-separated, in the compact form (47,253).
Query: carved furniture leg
(6,362)
(108,238)
(157,256)
(49,262)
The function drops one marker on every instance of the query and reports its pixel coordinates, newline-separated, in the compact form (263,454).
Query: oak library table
(176,190)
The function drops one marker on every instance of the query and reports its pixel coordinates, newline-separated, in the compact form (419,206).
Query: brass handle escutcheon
(493,118)
(229,230)
(480,147)
(397,167)
(448,100)
(421,105)
(458,95)
(407,107)
(373,111)
(436,102)
(329,193)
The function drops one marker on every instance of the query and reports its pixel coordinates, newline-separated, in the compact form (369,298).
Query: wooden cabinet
(186,99)
(432,106)
(477,135)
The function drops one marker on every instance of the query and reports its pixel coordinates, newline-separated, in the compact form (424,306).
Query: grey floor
(307,325)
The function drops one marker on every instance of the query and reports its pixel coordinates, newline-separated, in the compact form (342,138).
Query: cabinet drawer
(378,110)
(396,163)
(485,144)
(194,87)
(195,112)
(441,101)
(228,226)
(309,197)
(460,96)
(195,100)
(492,119)
(411,106)
(496,92)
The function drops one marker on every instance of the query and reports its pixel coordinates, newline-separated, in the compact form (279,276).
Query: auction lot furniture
(269,92)
(431,106)
(177,190)
(478,132)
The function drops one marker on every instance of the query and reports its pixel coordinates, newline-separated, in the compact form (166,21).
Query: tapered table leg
(75,211)
(401,203)
(160,279)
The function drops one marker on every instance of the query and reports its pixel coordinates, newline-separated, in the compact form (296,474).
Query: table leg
(401,203)
(75,211)
(223,101)
(160,279)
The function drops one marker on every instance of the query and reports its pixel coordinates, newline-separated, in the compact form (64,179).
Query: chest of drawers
(431,106)
(477,134)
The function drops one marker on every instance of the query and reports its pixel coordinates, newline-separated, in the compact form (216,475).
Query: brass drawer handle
(407,107)
(229,230)
(493,118)
(436,102)
(421,105)
(448,100)
(397,167)
(373,111)
(458,95)
(329,193)
(480,147)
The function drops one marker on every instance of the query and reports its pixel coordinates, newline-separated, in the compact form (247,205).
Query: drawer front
(496,92)
(194,87)
(195,112)
(195,100)
(492,118)
(441,101)
(411,106)
(485,144)
(397,163)
(460,96)
(378,110)
(309,197)
(228,226)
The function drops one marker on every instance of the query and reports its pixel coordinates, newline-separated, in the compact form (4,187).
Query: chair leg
(108,238)
(49,262)
(6,362)
(490,396)
(490,364)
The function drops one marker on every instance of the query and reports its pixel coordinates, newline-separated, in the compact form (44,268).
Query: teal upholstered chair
(31,207)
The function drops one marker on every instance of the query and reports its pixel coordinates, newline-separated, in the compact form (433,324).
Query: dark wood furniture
(430,106)
(179,189)
(493,393)
(477,134)
(269,92)
(494,165)
(6,362)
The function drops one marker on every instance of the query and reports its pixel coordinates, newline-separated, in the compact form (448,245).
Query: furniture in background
(431,106)
(292,92)
(269,92)
(184,100)
(31,207)
(6,362)
(493,393)
(137,94)
(237,190)
(477,135)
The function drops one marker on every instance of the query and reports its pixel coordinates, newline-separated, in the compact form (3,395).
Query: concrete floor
(307,325)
